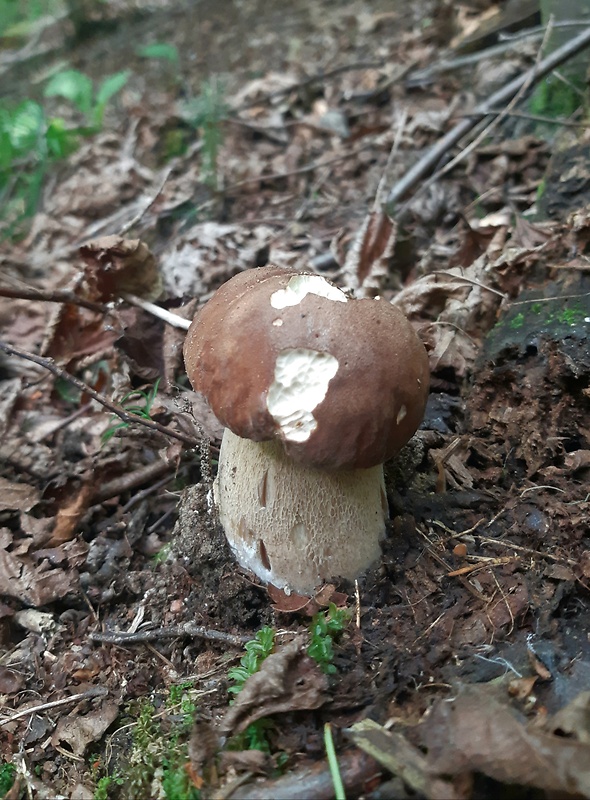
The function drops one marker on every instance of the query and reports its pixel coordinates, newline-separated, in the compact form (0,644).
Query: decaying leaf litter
(466,663)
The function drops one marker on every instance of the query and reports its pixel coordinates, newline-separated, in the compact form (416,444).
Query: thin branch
(50,365)
(532,76)
(52,296)
(130,480)
(128,225)
(298,171)
(173,632)
(95,691)
(440,149)
(162,313)
(568,123)
(320,76)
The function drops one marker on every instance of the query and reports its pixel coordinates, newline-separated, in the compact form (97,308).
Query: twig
(485,563)
(173,632)
(130,480)
(421,76)
(162,313)
(52,296)
(504,543)
(95,691)
(441,561)
(320,76)
(128,225)
(532,76)
(50,365)
(568,123)
(298,171)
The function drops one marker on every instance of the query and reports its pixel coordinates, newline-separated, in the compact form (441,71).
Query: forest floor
(255,133)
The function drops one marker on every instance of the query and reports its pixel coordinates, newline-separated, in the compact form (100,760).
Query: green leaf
(7,773)
(74,86)
(161,50)
(111,85)
(108,88)
(60,141)
(26,126)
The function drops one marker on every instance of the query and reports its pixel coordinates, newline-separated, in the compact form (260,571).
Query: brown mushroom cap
(375,400)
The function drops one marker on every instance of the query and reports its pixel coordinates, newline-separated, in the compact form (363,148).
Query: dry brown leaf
(577,459)
(368,258)
(476,732)
(11,681)
(74,333)
(17,496)
(69,514)
(573,720)
(295,603)
(35,586)
(115,266)
(288,680)
(77,731)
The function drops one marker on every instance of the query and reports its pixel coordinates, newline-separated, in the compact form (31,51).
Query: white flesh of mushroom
(301,285)
(300,384)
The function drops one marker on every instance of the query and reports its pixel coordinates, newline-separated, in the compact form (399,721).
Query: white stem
(294,526)
(162,313)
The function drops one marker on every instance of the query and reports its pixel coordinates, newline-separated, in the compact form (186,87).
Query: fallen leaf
(33,586)
(17,496)
(69,514)
(368,259)
(288,680)
(116,266)
(476,732)
(574,720)
(77,731)
(11,681)
(393,751)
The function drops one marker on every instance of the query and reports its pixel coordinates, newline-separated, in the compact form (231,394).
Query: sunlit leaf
(111,85)
(161,50)
(74,86)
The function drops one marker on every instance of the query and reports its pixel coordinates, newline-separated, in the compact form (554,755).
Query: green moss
(570,316)
(517,321)
(7,773)
(553,98)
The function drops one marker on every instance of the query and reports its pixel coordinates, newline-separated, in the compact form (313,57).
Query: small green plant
(7,775)
(206,113)
(30,141)
(155,765)
(257,649)
(105,786)
(160,50)
(325,627)
(179,697)
(78,89)
(135,402)
(518,321)
(18,17)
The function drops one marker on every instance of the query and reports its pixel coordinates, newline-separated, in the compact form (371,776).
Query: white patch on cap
(301,285)
(300,384)
(401,414)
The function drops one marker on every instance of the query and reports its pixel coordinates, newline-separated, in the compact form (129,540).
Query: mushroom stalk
(295,526)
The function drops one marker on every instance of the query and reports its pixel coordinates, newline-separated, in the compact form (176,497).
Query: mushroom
(316,390)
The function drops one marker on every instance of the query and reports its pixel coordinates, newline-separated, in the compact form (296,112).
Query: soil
(467,648)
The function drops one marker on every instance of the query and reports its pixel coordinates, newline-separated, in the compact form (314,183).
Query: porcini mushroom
(316,390)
